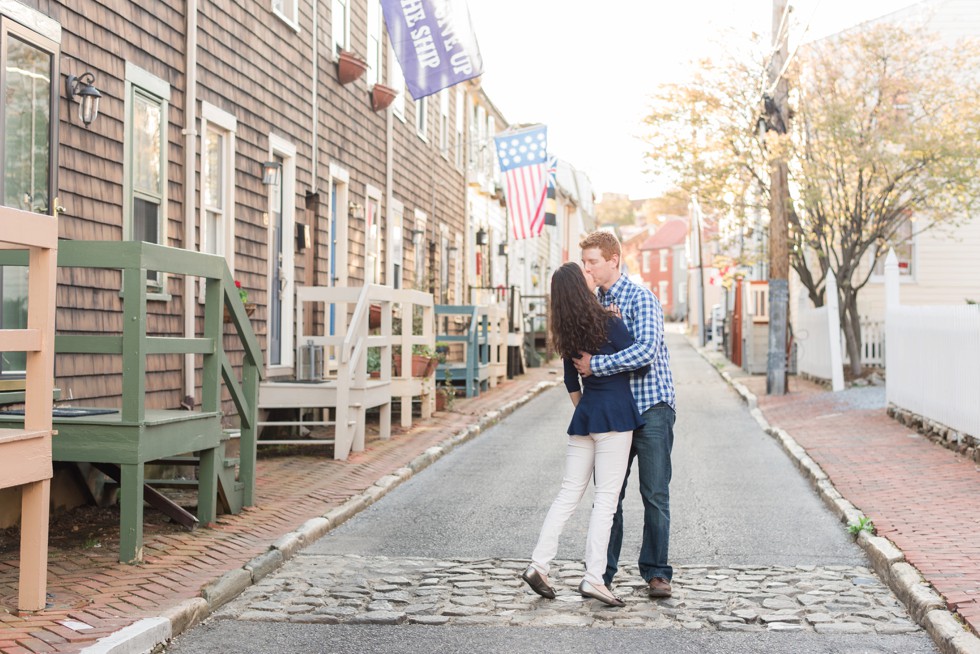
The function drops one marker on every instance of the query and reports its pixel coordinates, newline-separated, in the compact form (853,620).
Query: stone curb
(150,633)
(924,605)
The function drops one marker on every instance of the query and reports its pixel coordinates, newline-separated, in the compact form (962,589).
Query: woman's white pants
(606,455)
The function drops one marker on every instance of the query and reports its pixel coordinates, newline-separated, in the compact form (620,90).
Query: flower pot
(382,96)
(422,366)
(349,67)
(249,310)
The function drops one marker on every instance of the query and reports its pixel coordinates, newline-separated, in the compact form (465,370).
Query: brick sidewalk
(91,586)
(921,496)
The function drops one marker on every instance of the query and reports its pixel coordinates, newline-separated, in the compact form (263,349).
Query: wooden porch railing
(346,387)
(474,368)
(25,453)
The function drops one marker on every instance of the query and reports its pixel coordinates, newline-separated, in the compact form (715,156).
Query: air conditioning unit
(310,362)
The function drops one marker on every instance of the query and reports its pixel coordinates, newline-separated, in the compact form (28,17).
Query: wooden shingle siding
(259,69)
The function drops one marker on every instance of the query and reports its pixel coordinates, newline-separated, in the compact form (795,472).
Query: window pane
(146,146)
(13,313)
(338,17)
(396,80)
(212,244)
(27,129)
(213,146)
(145,220)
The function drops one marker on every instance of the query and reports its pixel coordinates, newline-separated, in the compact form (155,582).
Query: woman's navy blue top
(607,403)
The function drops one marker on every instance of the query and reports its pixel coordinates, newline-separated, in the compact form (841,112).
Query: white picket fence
(817,354)
(934,364)
(872,343)
(933,359)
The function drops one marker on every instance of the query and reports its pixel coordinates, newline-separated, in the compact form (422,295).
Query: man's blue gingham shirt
(643,315)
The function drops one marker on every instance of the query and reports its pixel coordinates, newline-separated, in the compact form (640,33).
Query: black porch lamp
(481,237)
(80,89)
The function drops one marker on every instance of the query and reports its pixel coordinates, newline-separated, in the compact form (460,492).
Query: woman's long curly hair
(578,321)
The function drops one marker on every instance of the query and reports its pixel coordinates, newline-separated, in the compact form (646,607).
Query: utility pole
(778,118)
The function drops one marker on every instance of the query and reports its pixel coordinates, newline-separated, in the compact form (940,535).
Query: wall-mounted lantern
(80,89)
(271,173)
(355,210)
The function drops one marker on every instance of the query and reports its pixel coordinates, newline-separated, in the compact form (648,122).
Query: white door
(282,221)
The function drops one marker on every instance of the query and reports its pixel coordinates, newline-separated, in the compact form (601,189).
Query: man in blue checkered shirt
(653,390)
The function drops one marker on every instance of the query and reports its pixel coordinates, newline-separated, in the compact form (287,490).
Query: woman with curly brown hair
(599,436)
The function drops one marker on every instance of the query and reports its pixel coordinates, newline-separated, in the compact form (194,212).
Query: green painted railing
(476,340)
(134,259)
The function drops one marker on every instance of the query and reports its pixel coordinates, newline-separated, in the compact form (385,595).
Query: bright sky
(585,68)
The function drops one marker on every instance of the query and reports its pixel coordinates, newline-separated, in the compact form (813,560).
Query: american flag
(523,156)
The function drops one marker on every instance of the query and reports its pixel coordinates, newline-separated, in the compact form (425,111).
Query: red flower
(238,284)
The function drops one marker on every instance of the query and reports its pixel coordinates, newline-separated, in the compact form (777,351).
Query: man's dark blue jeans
(652,445)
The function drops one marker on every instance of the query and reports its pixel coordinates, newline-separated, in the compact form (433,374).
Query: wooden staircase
(124,440)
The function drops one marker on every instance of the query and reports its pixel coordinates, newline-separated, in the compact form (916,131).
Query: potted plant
(446,393)
(382,96)
(424,362)
(243,294)
(374,362)
(349,67)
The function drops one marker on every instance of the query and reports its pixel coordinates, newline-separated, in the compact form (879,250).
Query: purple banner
(434,43)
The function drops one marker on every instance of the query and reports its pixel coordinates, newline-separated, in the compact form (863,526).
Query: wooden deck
(25,452)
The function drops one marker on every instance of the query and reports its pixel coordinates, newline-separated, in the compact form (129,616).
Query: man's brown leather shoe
(659,587)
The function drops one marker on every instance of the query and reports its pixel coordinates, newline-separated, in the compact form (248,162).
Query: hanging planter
(382,96)
(349,67)
(249,310)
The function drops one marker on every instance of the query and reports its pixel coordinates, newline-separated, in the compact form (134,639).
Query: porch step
(227,462)
(307,441)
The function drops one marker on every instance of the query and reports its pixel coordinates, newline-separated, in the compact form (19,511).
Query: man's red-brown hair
(607,243)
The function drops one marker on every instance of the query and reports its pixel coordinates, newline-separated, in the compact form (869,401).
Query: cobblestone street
(759,562)
(382,590)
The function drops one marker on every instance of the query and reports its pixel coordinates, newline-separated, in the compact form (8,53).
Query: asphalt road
(735,499)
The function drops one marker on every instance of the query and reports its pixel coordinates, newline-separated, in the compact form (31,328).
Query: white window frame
(372,235)
(460,124)
(444,123)
(646,261)
(375,42)
(286,150)
(422,118)
(215,119)
(490,160)
(444,263)
(396,81)
(395,263)
(663,259)
(149,87)
(458,271)
(903,277)
(288,12)
(340,29)
(419,263)
(663,292)
(481,144)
